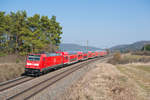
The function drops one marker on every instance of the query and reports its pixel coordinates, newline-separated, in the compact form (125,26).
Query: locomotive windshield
(34,57)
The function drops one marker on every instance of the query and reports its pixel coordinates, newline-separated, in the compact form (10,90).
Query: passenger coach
(37,64)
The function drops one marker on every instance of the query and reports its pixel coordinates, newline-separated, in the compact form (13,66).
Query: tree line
(146,47)
(22,34)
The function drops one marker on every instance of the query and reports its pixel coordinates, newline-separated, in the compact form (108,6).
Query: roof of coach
(91,51)
(72,52)
(85,51)
(63,52)
(52,54)
(79,52)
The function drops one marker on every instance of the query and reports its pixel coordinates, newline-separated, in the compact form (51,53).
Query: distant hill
(133,47)
(76,47)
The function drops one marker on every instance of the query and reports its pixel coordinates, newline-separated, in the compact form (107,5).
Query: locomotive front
(33,64)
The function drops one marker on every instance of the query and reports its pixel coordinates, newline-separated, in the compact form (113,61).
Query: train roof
(72,52)
(52,54)
(79,52)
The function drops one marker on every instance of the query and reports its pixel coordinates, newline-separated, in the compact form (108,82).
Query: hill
(76,47)
(132,47)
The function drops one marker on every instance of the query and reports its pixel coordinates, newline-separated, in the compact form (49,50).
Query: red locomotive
(38,64)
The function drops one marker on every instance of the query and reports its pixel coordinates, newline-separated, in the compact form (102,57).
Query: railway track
(35,89)
(12,83)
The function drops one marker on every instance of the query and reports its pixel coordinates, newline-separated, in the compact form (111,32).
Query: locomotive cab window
(79,55)
(34,57)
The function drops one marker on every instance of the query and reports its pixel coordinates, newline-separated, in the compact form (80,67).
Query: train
(38,64)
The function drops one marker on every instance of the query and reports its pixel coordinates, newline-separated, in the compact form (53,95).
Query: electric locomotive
(37,64)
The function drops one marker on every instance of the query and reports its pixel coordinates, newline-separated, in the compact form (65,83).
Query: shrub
(116,58)
(2,54)
(17,60)
(128,58)
(144,53)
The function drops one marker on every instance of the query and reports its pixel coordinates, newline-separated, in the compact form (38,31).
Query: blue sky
(104,23)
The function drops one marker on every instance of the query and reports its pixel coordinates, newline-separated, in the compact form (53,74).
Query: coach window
(66,57)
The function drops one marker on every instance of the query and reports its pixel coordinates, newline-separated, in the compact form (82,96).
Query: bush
(144,53)
(128,58)
(2,54)
(17,60)
(116,58)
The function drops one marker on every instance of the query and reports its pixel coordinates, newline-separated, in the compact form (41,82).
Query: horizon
(110,47)
(103,23)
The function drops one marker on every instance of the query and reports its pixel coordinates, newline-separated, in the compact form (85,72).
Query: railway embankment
(48,86)
(128,79)
(98,80)
(12,66)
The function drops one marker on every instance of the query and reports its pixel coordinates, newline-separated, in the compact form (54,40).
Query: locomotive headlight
(28,63)
(36,64)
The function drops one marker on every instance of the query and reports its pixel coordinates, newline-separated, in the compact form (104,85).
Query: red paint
(42,62)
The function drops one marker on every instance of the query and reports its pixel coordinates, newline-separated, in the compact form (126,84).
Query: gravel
(55,91)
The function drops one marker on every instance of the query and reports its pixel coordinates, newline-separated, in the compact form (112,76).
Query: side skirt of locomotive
(31,72)
(37,72)
(51,68)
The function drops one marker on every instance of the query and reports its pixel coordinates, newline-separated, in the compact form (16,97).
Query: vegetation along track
(32,91)
(13,83)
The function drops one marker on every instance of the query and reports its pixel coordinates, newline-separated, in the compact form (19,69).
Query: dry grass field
(11,67)
(10,70)
(128,58)
(140,73)
(124,77)
(129,81)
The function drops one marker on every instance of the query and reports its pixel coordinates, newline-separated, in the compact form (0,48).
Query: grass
(104,82)
(10,71)
(128,58)
(144,68)
(11,66)
(140,74)
(2,54)
(145,53)
(122,79)
(135,68)
(136,58)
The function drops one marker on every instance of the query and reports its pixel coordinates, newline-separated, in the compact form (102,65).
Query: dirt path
(105,82)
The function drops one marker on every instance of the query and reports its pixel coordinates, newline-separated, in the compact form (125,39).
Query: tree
(56,31)
(18,21)
(146,47)
(22,34)
(2,28)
